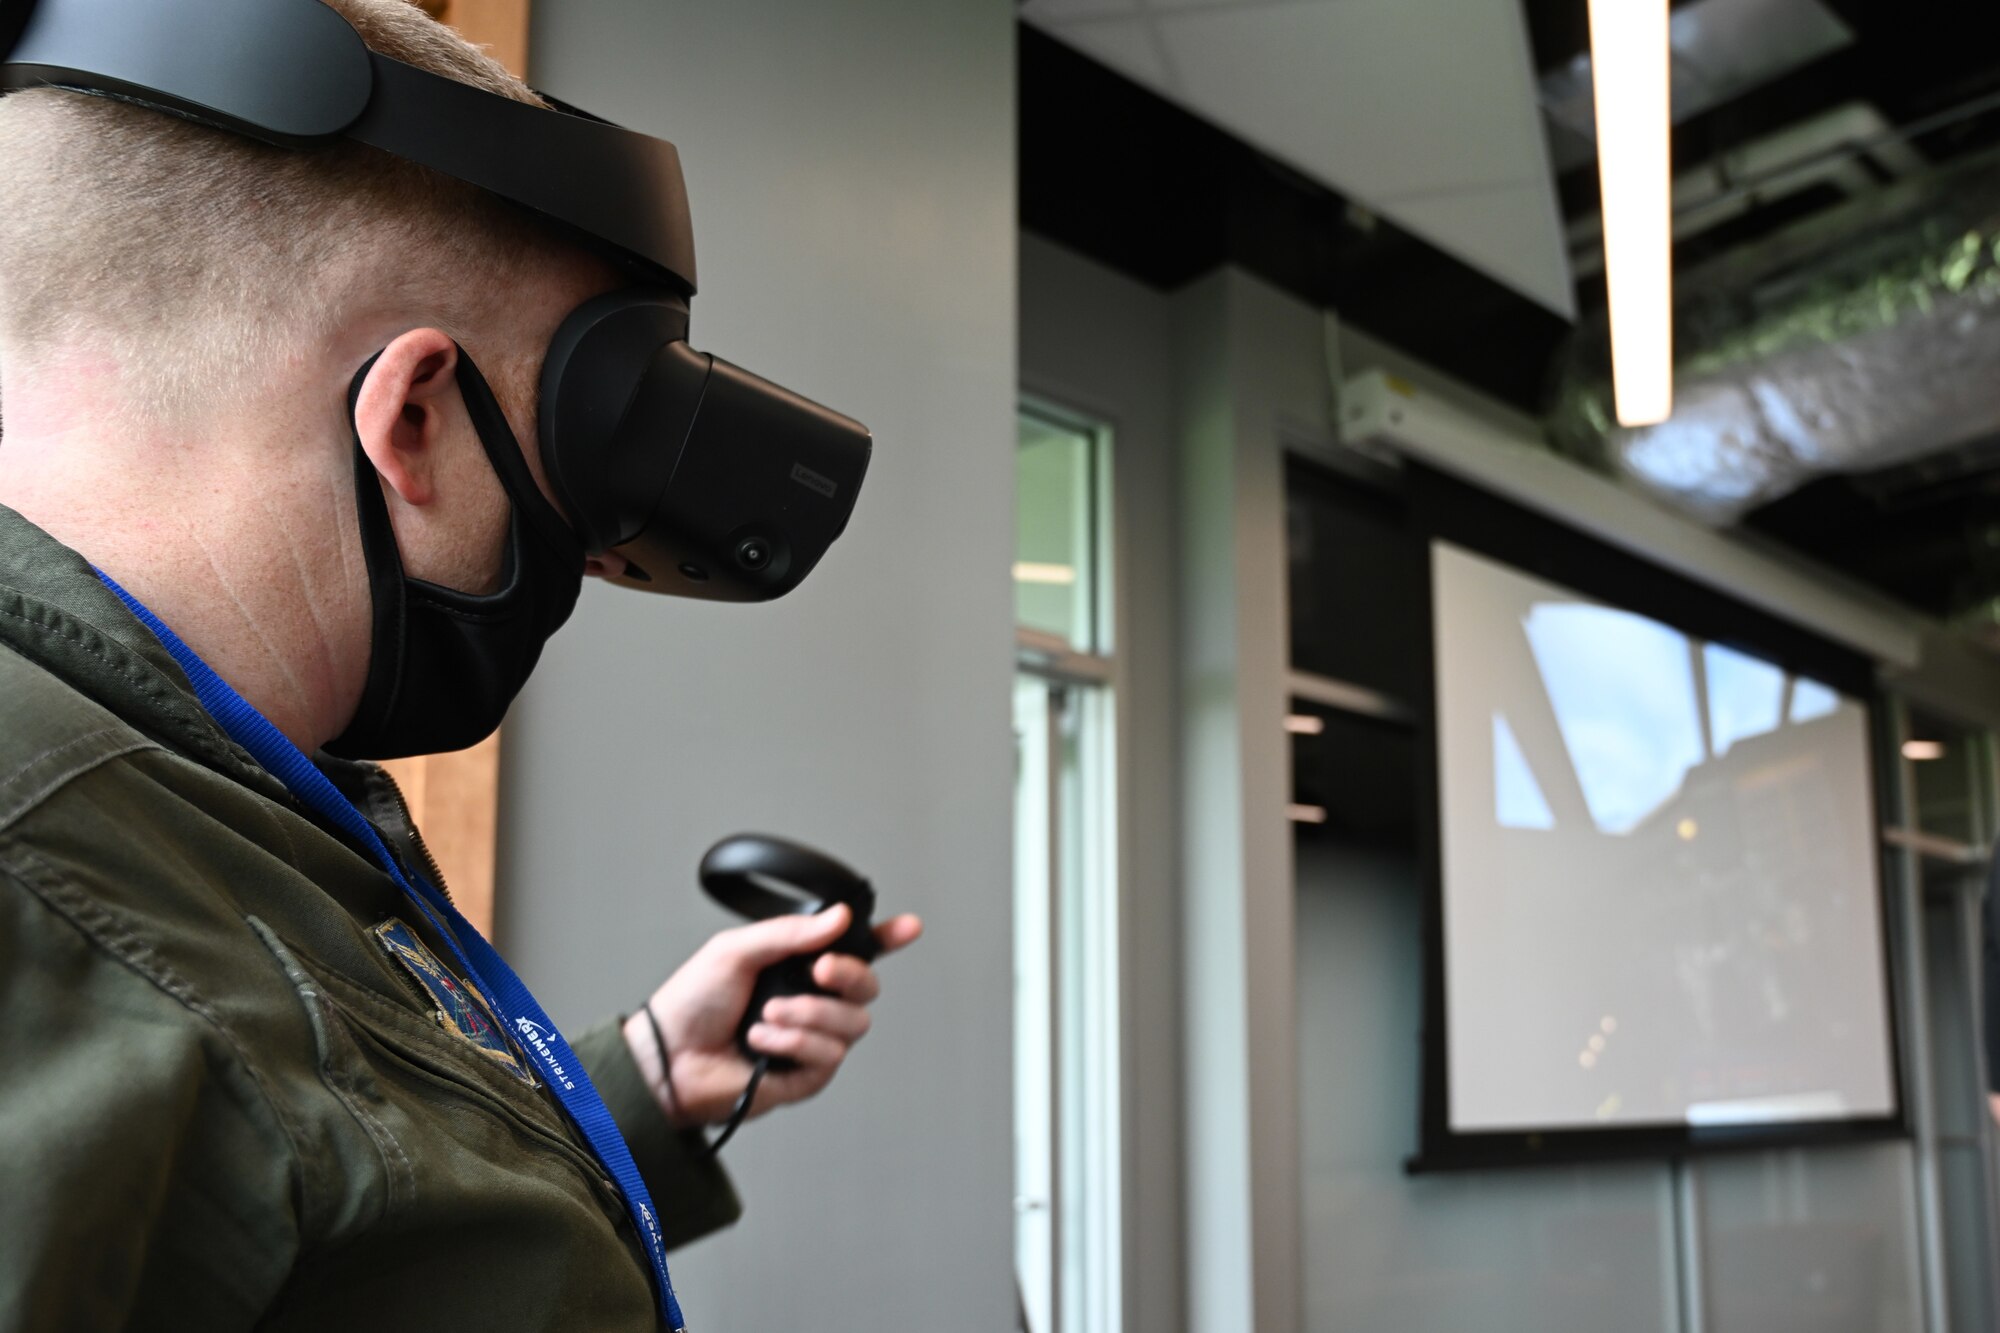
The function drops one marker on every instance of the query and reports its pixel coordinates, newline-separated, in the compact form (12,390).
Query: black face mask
(444,665)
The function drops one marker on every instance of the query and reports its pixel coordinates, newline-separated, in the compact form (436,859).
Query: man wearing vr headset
(257,502)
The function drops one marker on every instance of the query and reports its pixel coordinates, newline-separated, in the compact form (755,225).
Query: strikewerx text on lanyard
(503,991)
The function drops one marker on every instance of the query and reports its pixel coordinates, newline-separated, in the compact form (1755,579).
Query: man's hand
(700,1006)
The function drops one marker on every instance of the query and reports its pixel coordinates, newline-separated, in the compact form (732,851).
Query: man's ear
(400,413)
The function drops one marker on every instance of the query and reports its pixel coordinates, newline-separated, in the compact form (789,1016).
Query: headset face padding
(710,481)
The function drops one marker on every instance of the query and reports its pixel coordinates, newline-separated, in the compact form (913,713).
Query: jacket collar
(56,613)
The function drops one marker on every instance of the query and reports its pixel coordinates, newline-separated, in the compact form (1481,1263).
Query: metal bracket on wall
(1520,467)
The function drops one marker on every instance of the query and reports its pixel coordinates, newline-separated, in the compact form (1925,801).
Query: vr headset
(709,481)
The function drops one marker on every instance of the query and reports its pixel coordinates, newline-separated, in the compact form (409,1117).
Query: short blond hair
(193,256)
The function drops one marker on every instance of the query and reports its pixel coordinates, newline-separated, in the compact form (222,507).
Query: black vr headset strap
(607,185)
(294,73)
(290,72)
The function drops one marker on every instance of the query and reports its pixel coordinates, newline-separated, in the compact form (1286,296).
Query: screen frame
(1444,509)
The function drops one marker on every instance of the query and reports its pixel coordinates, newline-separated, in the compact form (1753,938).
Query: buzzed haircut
(192,257)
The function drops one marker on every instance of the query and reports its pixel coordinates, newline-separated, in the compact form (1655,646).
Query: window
(1057,533)
(1066,1085)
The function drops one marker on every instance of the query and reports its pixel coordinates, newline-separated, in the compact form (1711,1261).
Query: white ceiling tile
(1047,13)
(1387,100)
(1368,91)
(1129,46)
(1512,233)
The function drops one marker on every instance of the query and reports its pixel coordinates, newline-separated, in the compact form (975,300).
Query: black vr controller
(761,877)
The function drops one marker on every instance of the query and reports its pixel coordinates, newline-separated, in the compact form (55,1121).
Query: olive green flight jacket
(224,1103)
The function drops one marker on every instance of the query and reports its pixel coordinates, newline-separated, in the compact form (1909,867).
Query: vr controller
(761,877)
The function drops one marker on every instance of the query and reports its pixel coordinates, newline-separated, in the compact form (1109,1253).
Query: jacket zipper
(427,862)
(435,873)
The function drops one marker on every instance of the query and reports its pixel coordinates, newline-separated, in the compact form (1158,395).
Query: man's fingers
(754,947)
(782,1087)
(852,979)
(898,932)
(812,1050)
(836,1018)
(849,978)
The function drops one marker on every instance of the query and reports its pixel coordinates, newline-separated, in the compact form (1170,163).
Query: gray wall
(851,171)
(1565,1250)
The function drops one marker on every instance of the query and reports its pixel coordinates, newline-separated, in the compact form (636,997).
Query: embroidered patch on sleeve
(460,1009)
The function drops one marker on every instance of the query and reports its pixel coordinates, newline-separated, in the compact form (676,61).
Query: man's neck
(246,548)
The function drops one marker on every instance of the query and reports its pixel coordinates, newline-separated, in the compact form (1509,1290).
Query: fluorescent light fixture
(1921,750)
(1027,571)
(1630,71)
(1306,814)
(1304,724)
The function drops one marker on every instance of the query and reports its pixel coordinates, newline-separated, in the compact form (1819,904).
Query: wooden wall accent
(455,798)
(501,26)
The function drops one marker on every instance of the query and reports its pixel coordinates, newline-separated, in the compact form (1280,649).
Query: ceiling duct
(1720,50)
(1846,152)
(1864,337)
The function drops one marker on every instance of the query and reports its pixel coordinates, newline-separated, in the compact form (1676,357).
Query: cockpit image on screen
(1661,885)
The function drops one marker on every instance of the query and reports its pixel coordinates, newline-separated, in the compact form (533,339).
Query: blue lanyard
(517,1010)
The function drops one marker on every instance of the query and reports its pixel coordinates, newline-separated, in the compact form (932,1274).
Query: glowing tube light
(1629,67)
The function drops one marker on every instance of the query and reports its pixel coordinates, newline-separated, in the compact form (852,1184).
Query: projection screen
(1661,886)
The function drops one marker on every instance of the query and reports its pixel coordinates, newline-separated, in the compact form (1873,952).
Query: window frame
(1084,911)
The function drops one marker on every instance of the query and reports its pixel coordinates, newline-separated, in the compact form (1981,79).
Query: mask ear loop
(503,453)
(385,576)
(489,422)
(388,584)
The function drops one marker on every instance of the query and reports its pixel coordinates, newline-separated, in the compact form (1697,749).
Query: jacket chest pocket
(459,1114)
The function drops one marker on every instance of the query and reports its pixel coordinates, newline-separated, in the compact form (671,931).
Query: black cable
(742,1107)
(737,1113)
(666,1061)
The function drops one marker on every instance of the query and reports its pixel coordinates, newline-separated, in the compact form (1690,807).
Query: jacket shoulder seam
(134,670)
(35,780)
